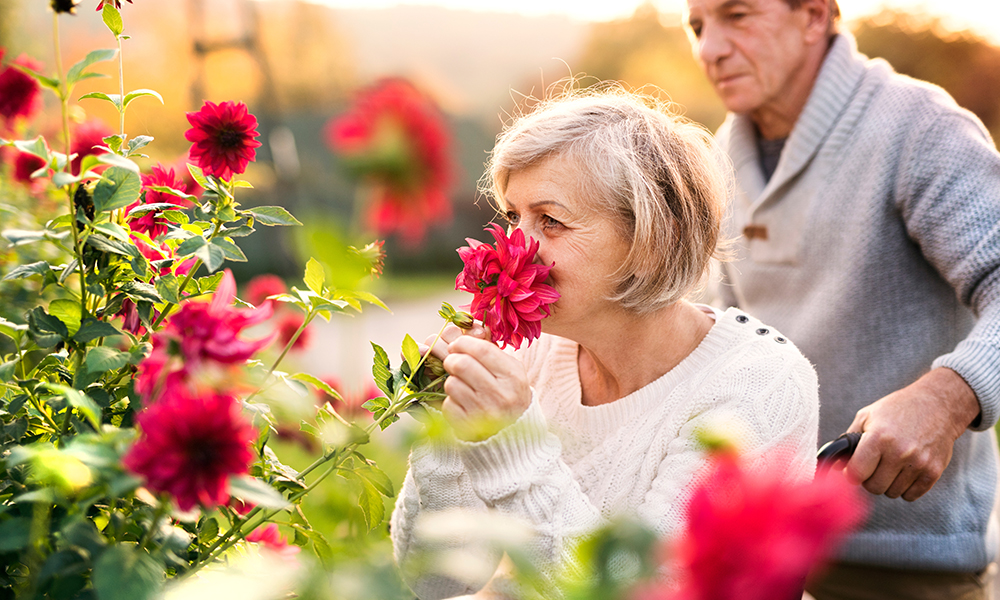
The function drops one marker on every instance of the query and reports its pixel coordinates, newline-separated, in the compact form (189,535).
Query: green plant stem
(121,91)
(38,406)
(169,307)
(161,510)
(291,342)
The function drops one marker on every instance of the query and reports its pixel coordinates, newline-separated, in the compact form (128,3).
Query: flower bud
(435,366)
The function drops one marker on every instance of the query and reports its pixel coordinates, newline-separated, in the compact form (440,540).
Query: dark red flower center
(229,138)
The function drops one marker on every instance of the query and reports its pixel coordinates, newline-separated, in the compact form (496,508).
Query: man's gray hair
(656,175)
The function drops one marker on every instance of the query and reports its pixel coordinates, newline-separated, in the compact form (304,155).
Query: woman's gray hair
(658,176)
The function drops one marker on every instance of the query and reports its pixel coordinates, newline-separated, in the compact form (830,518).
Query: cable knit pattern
(883,221)
(567,468)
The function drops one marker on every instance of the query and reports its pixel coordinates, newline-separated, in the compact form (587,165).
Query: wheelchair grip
(842,447)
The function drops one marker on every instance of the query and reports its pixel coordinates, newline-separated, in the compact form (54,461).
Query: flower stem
(161,510)
(291,342)
(121,90)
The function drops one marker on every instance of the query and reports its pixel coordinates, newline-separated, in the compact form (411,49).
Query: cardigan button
(742,318)
(763,331)
(780,339)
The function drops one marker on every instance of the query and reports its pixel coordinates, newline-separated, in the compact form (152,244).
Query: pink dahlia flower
(19,92)
(200,338)
(153,223)
(223,137)
(262,286)
(395,138)
(753,536)
(189,446)
(87,138)
(25,164)
(117,4)
(508,291)
(288,324)
(271,539)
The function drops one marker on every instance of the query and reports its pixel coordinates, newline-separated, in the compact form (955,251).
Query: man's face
(753,51)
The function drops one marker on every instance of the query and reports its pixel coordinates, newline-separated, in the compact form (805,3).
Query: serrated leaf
(119,186)
(380,370)
(371,503)
(190,246)
(129,97)
(76,72)
(77,399)
(272,215)
(112,98)
(310,429)
(377,478)
(317,383)
(120,161)
(209,283)
(114,230)
(411,352)
(92,329)
(231,250)
(113,246)
(169,288)
(20,272)
(104,358)
(113,19)
(212,256)
(113,141)
(45,329)
(315,276)
(67,311)
(369,298)
(141,291)
(209,530)
(255,491)
(126,573)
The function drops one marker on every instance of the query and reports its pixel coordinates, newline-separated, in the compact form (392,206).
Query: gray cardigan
(881,261)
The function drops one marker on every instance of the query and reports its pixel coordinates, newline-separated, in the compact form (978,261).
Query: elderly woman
(599,418)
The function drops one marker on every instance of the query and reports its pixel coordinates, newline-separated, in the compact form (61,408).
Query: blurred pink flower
(19,92)
(270,537)
(163,253)
(25,164)
(117,4)
(87,136)
(755,536)
(152,223)
(200,337)
(189,446)
(223,138)
(395,138)
(352,400)
(288,324)
(509,295)
(262,286)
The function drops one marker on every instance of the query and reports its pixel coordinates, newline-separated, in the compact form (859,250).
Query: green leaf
(20,272)
(129,97)
(242,184)
(230,249)
(371,504)
(366,296)
(209,529)
(36,147)
(49,82)
(114,230)
(119,186)
(253,490)
(212,255)
(80,401)
(21,237)
(14,534)
(76,72)
(377,478)
(92,329)
(120,161)
(315,276)
(11,329)
(317,383)
(104,358)
(113,246)
(139,141)
(380,370)
(173,192)
(411,352)
(112,141)
(126,573)
(199,177)
(189,246)
(169,288)
(67,311)
(62,179)
(115,99)
(113,19)
(272,215)
(45,329)
(141,291)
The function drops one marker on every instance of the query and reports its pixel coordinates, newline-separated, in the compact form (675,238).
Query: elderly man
(868,221)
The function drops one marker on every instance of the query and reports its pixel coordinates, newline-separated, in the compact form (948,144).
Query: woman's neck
(631,351)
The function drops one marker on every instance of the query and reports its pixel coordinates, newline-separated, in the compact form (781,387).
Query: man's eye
(695,29)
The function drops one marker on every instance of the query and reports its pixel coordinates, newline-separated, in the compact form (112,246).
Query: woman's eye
(548,221)
(512,218)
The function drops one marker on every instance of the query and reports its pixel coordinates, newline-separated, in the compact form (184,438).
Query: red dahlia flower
(271,539)
(153,223)
(25,164)
(200,338)
(509,295)
(87,138)
(756,536)
(262,286)
(223,137)
(395,138)
(288,324)
(117,3)
(19,92)
(189,446)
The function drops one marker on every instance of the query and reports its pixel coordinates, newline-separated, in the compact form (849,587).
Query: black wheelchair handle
(842,447)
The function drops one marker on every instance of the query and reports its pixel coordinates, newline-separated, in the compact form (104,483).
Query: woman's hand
(487,388)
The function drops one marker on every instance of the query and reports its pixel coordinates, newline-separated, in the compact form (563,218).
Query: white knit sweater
(566,468)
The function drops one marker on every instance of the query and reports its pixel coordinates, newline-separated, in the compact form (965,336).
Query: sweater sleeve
(951,206)
(437,481)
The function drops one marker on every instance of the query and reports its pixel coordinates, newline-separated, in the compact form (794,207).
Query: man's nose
(712,45)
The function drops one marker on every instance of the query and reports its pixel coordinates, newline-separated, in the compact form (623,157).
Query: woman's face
(547,202)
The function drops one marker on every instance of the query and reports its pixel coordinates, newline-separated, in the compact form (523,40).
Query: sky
(981,16)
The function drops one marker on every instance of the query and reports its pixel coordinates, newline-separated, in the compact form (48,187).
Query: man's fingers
(865,461)
(906,477)
(921,486)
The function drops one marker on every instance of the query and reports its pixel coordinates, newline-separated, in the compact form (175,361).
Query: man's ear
(817,13)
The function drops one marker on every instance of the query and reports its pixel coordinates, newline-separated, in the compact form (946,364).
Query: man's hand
(909,435)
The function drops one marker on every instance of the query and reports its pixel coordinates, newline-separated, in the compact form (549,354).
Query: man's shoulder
(907,97)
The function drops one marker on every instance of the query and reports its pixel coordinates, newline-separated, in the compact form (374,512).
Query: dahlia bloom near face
(19,92)
(223,137)
(395,138)
(509,295)
(756,537)
(189,446)
(198,340)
